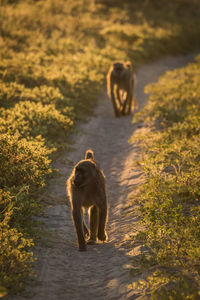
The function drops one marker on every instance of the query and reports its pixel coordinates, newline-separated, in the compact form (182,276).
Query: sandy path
(101,272)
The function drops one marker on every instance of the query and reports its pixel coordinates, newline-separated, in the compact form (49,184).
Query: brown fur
(120,81)
(86,189)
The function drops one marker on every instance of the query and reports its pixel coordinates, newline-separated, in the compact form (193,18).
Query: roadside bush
(12,92)
(23,162)
(24,166)
(170,196)
(53,59)
(15,260)
(32,119)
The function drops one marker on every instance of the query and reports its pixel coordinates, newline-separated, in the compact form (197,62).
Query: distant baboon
(86,189)
(120,83)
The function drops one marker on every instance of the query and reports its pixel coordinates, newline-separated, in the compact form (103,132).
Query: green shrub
(15,260)
(54,57)
(12,92)
(23,162)
(24,166)
(170,196)
(32,119)
(174,98)
(21,203)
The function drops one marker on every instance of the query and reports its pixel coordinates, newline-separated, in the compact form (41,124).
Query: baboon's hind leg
(78,222)
(102,236)
(85,230)
(126,102)
(130,104)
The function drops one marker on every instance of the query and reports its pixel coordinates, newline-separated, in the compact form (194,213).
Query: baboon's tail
(89,154)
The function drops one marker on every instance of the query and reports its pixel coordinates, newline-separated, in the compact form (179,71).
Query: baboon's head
(118,69)
(84,173)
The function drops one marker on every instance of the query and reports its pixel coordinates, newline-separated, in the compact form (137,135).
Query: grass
(170,196)
(53,59)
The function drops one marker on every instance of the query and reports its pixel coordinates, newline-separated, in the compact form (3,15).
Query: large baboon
(86,189)
(120,87)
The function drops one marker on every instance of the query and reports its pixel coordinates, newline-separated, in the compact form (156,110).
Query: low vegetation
(53,59)
(170,196)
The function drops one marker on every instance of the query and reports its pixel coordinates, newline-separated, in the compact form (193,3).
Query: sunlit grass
(53,59)
(170,196)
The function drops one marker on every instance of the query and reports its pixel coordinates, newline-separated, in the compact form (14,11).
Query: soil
(103,271)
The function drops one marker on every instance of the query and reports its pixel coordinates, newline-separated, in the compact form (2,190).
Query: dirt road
(101,272)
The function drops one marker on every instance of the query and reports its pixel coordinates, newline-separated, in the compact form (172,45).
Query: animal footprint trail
(101,272)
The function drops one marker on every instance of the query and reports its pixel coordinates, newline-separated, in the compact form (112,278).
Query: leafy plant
(15,260)
(53,59)
(170,196)
(23,162)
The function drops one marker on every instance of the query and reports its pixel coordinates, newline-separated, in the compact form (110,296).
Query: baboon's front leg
(126,102)
(78,222)
(94,221)
(113,100)
(119,98)
(102,222)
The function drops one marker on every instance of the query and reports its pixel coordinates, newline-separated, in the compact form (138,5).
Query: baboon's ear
(129,65)
(89,154)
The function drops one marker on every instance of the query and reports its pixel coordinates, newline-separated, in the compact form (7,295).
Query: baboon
(86,189)
(120,83)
